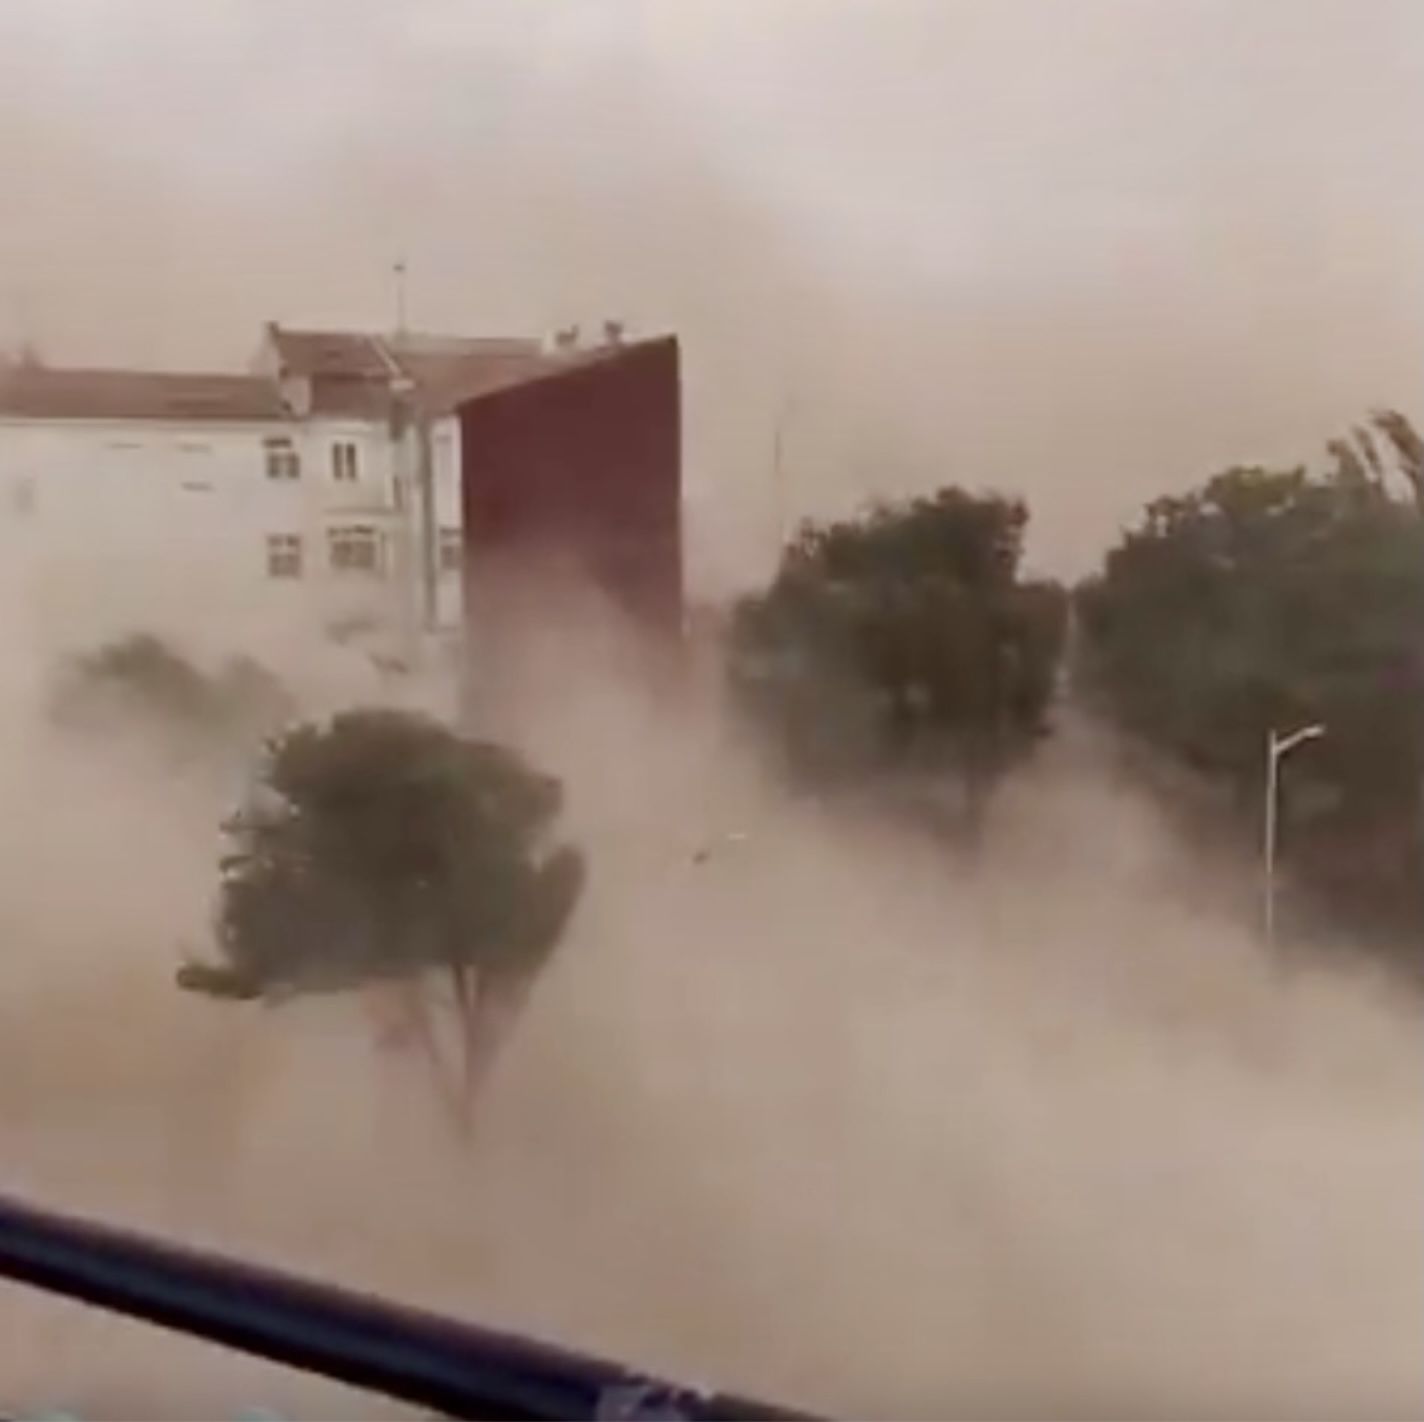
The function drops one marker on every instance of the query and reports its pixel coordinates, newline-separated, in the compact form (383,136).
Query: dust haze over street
(826,1114)
(808,1105)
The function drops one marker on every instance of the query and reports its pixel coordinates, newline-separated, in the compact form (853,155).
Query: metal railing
(424,1359)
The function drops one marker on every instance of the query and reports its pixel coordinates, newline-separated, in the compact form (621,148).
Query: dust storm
(807,1104)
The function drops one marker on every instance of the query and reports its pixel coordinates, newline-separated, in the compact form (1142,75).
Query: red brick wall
(584,467)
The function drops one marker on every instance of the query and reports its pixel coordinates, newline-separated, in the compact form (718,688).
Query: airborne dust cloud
(805,1106)
(829,1114)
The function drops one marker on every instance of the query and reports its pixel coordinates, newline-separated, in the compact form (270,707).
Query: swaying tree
(904,638)
(385,853)
(1269,599)
(143,681)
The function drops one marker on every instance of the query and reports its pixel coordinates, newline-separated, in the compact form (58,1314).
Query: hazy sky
(1083,249)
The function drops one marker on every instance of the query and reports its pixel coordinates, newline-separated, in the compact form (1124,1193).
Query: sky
(1086,251)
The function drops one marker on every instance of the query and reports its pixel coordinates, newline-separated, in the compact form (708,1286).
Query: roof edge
(571,363)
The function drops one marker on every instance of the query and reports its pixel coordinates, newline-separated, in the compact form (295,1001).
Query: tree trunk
(393,1009)
(489,1013)
(979,770)
(401,1016)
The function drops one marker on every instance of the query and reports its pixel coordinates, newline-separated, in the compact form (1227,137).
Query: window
(284,555)
(283,461)
(343,462)
(354,548)
(452,550)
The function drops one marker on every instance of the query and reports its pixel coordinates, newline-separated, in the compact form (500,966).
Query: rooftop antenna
(26,349)
(398,268)
(778,470)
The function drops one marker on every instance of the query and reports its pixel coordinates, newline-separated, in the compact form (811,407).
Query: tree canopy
(143,680)
(1269,599)
(381,847)
(904,636)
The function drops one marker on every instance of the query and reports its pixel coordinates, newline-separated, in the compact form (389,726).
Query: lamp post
(1278,746)
(778,472)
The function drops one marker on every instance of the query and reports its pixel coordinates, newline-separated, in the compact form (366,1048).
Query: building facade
(582,466)
(327,479)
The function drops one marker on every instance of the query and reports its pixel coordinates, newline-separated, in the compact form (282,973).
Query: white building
(325,481)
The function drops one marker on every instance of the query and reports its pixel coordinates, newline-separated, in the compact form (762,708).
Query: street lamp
(778,471)
(1277,748)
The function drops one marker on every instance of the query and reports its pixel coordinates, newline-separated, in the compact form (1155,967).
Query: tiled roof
(38,392)
(352,375)
(351,372)
(352,399)
(328,355)
(445,379)
(443,382)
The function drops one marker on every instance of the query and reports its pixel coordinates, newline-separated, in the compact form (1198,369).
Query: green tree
(903,638)
(142,681)
(383,851)
(1268,599)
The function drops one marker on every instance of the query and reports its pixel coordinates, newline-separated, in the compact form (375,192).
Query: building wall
(448,523)
(186,511)
(137,514)
(582,466)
